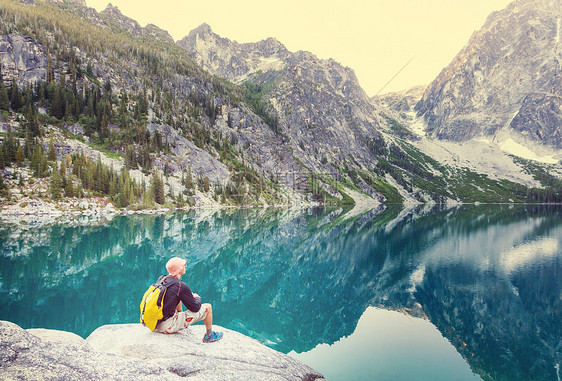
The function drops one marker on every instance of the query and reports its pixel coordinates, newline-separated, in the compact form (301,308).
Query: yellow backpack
(152,303)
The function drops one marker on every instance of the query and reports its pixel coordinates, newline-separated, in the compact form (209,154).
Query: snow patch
(418,128)
(263,64)
(514,148)
(417,125)
(478,156)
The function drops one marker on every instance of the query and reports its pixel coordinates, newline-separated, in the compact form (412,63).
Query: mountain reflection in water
(488,277)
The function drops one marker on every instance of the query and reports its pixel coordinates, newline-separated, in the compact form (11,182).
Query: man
(174,318)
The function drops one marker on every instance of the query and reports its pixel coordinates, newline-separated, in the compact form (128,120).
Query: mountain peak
(111,9)
(202,33)
(157,32)
(271,46)
(202,30)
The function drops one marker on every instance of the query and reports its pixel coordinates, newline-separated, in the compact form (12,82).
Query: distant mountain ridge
(114,15)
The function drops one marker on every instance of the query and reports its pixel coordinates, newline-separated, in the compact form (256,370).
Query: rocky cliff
(23,58)
(508,77)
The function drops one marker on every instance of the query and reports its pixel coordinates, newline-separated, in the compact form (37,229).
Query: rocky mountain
(231,60)
(401,105)
(198,118)
(319,105)
(325,114)
(224,122)
(508,78)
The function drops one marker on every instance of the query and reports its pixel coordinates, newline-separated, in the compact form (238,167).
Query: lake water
(430,293)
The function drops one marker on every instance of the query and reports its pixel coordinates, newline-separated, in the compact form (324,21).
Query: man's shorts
(182,320)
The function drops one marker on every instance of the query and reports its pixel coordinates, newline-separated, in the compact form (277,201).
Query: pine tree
(130,158)
(15,99)
(31,117)
(3,187)
(69,187)
(36,159)
(157,188)
(20,156)
(171,191)
(104,131)
(44,166)
(4,99)
(130,191)
(180,200)
(56,184)
(28,96)
(69,107)
(114,188)
(50,71)
(52,154)
(63,168)
(57,108)
(189,179)
(123,108)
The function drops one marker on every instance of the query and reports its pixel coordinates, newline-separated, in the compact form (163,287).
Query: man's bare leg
(210,336)
(209,318)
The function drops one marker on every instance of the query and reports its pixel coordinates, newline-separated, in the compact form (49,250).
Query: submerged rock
(132,352)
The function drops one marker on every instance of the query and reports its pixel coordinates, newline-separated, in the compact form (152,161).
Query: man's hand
(196,296)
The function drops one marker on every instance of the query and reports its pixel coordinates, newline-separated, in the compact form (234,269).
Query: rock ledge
(132,352)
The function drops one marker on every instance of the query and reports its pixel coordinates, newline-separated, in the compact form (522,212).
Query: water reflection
(488,277)
(389,345)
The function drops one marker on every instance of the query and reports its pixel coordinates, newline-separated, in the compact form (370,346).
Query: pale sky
(375,38)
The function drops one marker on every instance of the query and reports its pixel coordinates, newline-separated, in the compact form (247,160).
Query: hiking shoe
(215,336)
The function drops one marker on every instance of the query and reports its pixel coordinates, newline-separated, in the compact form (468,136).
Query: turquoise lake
(428,293)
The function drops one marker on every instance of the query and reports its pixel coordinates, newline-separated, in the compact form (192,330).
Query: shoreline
(33,210)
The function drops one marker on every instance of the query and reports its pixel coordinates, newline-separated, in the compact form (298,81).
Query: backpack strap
(164,277)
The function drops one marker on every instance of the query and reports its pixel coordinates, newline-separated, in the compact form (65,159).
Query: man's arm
(191,301)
